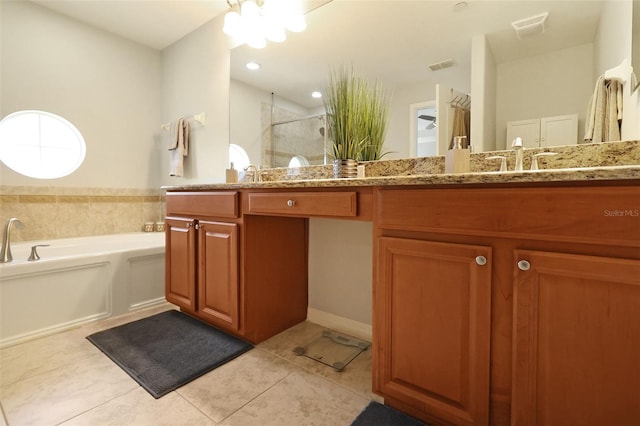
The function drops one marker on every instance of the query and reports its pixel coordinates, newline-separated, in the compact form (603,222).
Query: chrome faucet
(5,254)
(255,176)
(519,149)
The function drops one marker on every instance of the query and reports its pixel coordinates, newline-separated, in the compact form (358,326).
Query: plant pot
(345,169)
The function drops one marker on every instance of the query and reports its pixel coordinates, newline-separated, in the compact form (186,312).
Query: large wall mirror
(635,47)
(550,74)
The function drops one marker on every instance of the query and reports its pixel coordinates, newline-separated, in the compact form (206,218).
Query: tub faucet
(519,149)
(5,254)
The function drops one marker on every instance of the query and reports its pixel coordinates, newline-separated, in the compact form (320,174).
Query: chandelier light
(255,21)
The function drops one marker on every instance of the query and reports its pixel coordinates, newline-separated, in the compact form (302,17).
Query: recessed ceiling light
(316,94)
(253,66)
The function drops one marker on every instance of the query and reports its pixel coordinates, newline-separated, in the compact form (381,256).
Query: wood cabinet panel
(431,322)
(343,204)
(598,215)
(576,340)
(180,262)
(218,298)
(203,204)
(275,275)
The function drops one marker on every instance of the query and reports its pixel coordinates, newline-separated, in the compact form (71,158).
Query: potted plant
(356,117)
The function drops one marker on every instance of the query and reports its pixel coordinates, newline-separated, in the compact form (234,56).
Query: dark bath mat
(376,414)
(167,350)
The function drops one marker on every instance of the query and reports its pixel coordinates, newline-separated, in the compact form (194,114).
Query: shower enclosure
(303,139)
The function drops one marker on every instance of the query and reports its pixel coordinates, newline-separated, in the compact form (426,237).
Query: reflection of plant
(356,116)
(376,126)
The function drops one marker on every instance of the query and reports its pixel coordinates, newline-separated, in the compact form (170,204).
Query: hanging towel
(459,127)
(604,114)
(178,146)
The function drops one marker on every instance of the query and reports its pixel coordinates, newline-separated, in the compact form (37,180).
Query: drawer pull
(523,265)
(291,203)
(481,260)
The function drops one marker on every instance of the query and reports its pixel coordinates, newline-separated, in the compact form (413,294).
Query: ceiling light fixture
(253,66)
(255,21)
(316,94)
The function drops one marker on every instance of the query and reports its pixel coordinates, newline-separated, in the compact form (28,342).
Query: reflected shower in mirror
(302,140)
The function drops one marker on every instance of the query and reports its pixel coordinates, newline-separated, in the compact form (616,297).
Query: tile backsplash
(58,212)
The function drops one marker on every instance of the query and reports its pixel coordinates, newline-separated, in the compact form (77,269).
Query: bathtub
(78,280)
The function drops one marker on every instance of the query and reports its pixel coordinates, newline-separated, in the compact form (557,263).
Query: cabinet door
(180,262)
(528,130)
(218,273)
(560,130)
(576,340)
(432,320)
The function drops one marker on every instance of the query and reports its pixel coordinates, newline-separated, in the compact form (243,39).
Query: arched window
(40,144)
(238,156)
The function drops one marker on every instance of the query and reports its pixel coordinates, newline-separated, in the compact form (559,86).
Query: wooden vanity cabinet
(564,304)
(243,273)
(431,320)
(202,256)
(218,269)
(576,340)
(180,262)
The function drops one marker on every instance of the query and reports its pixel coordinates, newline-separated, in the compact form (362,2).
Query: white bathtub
(78,280)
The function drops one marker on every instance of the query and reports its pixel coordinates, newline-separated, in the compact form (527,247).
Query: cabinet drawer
(343,204)
(216,204)
(607,214)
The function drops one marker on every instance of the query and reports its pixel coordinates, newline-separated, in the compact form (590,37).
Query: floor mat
(167,350)
(376,414)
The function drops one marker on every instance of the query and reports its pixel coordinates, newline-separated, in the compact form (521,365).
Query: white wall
(108,87)
(612,45)
(398,139)
(555,83)
(341,268)
(246,118)
(483,95)
(195,79)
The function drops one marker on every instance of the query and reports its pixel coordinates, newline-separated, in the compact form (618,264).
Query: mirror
(635,47)
(395,42)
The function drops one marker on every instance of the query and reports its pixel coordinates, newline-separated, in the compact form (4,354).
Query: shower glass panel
(301,137)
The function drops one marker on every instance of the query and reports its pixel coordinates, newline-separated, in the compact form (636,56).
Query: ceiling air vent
(529,27)
(441,65)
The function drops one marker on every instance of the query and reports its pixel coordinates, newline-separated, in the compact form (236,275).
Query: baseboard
(340,324)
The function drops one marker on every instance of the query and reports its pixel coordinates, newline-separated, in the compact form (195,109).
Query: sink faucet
(5,254)
(255,176)
(519,149)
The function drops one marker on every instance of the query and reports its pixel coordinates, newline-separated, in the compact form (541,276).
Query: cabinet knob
(523,265)
(291,203)
(481,260)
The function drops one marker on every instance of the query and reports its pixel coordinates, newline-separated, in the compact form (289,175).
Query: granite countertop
(605,173)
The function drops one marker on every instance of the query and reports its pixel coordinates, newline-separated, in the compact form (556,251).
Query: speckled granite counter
(609,173)
(611,161)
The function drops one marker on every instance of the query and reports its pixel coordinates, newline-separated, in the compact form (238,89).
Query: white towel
(178,146)
(604,114)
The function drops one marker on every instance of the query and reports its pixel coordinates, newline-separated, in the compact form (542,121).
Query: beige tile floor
(63,379)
